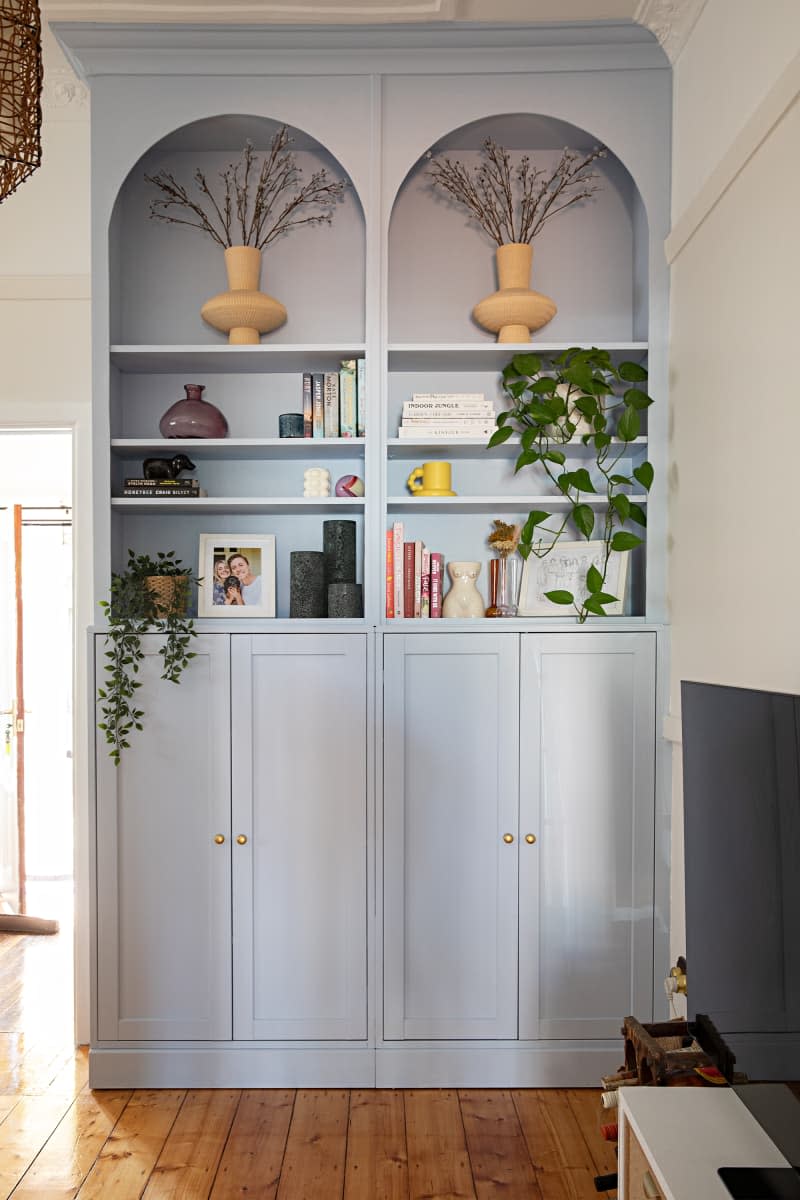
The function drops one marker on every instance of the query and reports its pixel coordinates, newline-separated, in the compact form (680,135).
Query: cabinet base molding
(243,1066)
(554,1064)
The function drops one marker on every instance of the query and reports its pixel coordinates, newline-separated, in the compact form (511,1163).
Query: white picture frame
(252,594)
(564,569)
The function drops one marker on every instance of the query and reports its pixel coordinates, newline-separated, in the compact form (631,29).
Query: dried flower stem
(512,204)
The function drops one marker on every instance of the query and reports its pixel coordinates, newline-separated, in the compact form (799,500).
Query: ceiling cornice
(671,21)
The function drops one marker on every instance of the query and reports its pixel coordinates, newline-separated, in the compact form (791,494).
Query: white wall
(735,417)
(45,379)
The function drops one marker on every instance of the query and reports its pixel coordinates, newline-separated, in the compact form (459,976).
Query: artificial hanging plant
(551,403)
(140,603)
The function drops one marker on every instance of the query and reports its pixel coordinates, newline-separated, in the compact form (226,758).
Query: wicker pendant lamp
(20,92)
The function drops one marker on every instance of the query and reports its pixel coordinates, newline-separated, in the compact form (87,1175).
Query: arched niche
(160,274)
(592,259)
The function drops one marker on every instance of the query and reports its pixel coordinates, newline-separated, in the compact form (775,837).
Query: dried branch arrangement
(255,207)
(512,203)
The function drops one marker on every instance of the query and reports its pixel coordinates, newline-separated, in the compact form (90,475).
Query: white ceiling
(670,20)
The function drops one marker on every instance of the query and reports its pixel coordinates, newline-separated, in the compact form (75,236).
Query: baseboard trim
(241,1066)
(556,1064)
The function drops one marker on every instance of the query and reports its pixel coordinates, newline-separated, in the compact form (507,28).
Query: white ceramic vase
(463,599)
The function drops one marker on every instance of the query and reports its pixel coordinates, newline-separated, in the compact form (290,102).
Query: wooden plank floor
(59,1139)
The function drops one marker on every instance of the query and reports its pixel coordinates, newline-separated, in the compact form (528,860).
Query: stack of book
(335,402)
(432,416)
(414,577)
(174,489)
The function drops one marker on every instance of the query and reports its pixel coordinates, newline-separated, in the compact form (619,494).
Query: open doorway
(36,689)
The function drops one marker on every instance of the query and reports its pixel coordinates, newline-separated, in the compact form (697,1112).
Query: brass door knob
(219,839)
(241,839)
(530,838)
(508,838)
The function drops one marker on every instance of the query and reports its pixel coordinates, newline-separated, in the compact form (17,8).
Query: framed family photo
(238,575)
(564,568)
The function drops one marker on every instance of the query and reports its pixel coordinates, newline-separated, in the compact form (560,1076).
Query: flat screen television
(741,797)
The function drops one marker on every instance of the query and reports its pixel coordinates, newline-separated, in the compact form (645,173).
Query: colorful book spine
(174,493)
(162,483)
(397,558)
(361,397)
(389,573)
(417,579)
(347,398)
(425,605)
(331,404)
(308,404)
(434,408)
(318,405)
(408,579)
(437,571)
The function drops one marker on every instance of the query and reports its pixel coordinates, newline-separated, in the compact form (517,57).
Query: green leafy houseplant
(140,602)
(551,404)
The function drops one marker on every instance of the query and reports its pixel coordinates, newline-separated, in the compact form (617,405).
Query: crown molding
(240,12)
(671,21)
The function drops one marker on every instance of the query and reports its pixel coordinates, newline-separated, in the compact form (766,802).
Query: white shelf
(232,360)
(240,448)
(504,503)
(397,448)
(230,505)
(490,356)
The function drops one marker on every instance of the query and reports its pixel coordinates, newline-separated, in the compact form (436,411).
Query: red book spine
(417,579)
(437,568)
(408,579)
(425,582)
(389,573)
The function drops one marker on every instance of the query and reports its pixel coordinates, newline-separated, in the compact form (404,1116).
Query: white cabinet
(587,794)
(518,834)
(450,796)
(300,799)
(248,784)
(163,882)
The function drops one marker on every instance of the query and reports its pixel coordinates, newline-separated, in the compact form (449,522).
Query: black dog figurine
(166,468)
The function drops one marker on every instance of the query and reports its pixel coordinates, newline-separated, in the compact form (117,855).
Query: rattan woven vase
(513,312)
(243,312)
(171,593)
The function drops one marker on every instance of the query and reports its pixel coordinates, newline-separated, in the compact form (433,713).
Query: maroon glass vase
(193,417)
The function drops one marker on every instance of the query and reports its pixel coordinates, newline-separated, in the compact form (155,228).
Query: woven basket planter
(171,593)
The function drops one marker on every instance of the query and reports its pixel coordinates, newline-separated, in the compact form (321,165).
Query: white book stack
(440,416)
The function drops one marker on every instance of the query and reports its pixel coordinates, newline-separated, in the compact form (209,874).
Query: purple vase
(193,417)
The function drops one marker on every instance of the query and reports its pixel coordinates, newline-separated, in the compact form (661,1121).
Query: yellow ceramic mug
(431,479)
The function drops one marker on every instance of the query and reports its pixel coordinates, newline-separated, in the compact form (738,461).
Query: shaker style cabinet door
(163,881)
(587,793)
(450,800)
(299,836)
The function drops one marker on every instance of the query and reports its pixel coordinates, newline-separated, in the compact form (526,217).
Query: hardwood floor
(59,1139)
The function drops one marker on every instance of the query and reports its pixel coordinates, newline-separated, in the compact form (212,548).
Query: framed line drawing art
(238,575)
(564,568)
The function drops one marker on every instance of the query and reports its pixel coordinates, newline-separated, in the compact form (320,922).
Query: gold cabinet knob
(508,838)
(241,839)
(219,839)
(530,838)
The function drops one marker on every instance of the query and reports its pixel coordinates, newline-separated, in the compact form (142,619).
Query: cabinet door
(587,796)
(300,799)
(450,795)
(163,883)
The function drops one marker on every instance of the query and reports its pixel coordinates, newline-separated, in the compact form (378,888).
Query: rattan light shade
(20,92)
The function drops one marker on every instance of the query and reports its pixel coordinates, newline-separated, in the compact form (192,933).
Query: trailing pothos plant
(138,605)
(579,394)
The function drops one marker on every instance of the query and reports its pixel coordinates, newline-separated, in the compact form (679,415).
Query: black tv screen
(741,797)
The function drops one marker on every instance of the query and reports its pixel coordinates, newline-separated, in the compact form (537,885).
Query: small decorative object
(21,73)
(344,600)
(504,571)
(150,596)
(290,425)
(166,468)
(463,599)
(339,548)
(308,595)
(431,479)
(511,205)
(193,417)
(349,485)
(238,575)
(258,202)
(547,401)
(317,481)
